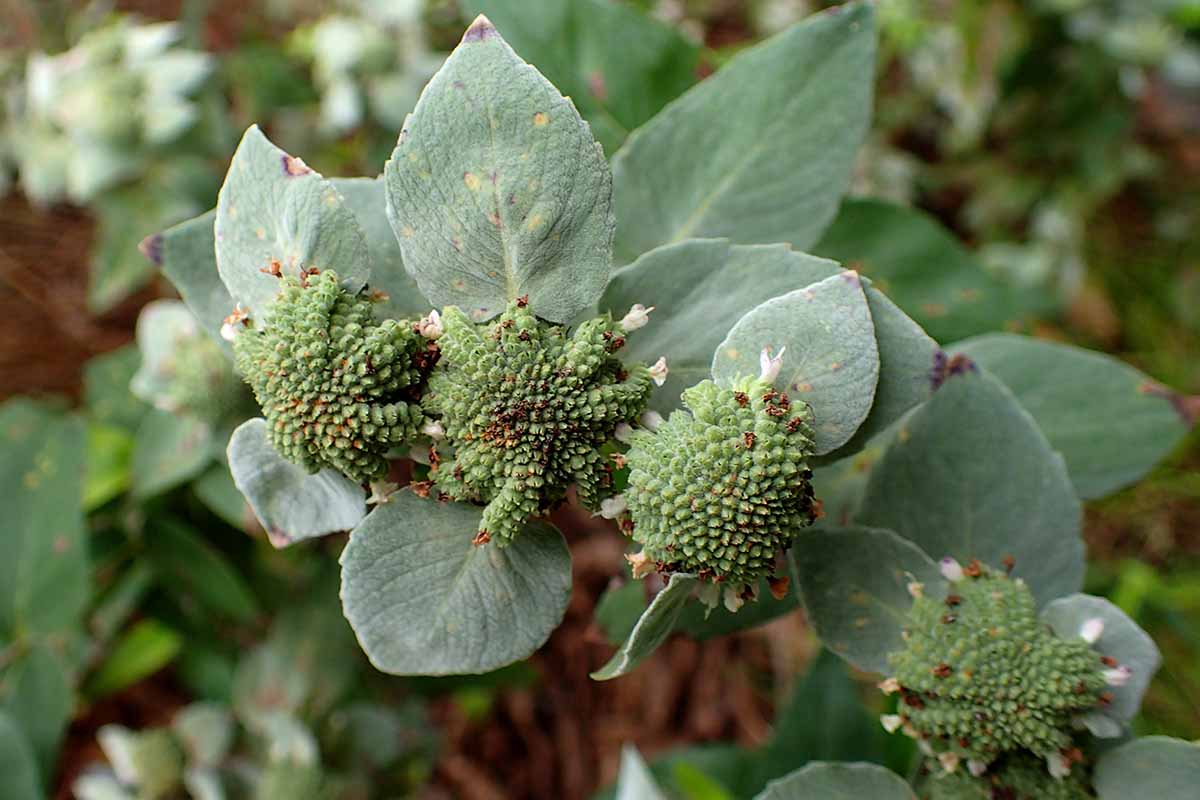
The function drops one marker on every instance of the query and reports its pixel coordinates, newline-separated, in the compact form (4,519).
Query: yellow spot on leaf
(540,119)
(472,181)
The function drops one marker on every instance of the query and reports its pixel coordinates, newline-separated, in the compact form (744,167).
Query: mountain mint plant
(502,305)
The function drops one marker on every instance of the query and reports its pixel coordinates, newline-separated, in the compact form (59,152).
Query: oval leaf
(273,208)
(921,266)
(497,188)
(291,503)
(770,142)
(699,289)
(969,475)
(169,450)
(652,628)
(854,584)
(829,780)
(1122,639)
(187,255)
(832,359)
(18,771)
(1153,766)
(423,600)
(1131,422)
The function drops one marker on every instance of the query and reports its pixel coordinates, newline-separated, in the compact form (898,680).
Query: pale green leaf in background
(760,152)
(424,600)
(291,503)
(832,358)
(497,189)
(618,64)
(652,628)
(169,450)
(274,208)
(921,266)
(1111,422)
(187,255)
(1152,767)
(35,691)
(143,650)
(699,289)
(969,475)
(18,770)
(855,586)
(826,780)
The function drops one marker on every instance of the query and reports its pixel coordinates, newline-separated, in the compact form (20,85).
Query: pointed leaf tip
(482,28)
(151,248)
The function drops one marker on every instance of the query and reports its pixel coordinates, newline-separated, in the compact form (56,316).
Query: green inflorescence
(527,408)
(1019,776)
(338,388)
(722,490)
(980,675)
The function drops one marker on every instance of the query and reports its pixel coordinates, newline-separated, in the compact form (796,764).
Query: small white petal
(612,507)
(228,332)
(658,372)
(637,317)
(1091,630)
(639,564)
(1118,676)
(709,594)
(951,569)
(433,429)
(769,365)
(891,722)
(1058,765)
(975,767)
(651,420)
(623,432)
(733,598)
(949,761)
(430,326)
(889,686)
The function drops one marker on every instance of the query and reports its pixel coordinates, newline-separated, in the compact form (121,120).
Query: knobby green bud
(722,490)
(526,409)
(1019,776)
(981,676)
(338,388)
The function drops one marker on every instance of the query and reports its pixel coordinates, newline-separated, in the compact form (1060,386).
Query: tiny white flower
(1118,676)
(381,492)
(623,432)
(951,569)
(733,598)
(612,507)
(1091,630)
(1058,765)
(640,564)
(651,420)
(658,372)
(433,429)
(709,594)
(891,722)
(430,326)
(949,761)
(769,365)
(637,317)
(234,322)
(976,767)
(889,686)
(228,332)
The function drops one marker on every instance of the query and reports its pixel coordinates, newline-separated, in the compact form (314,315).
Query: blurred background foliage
(1034,165)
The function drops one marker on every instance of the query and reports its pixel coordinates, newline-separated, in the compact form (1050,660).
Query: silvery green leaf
(187,255)
(1121,640)
(828,780)
(760,152)
(832,358)
(291,503)
(367,198)
(169,450)
(699,289)
(652,629)
(1152,767)
(161,325)
(144,43)
(634,782)
(497,188)
(178,73)
(969,475)
(618,64)
(97,784)
(18,770)
(925,270)
(423,600)
(204,783)
(167,119)
(273,208)
(37,695)
(95,166)
(1131,422)
(907,357)
(855,586)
